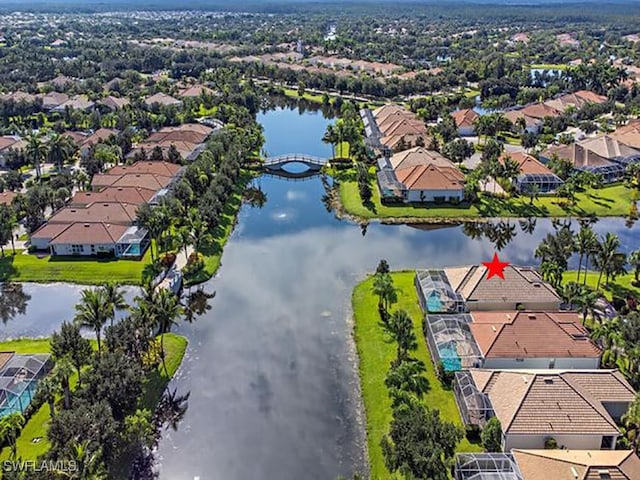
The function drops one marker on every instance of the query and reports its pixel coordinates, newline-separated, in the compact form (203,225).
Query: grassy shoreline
(375,354)
(81,270)
(610,201)
(36,427)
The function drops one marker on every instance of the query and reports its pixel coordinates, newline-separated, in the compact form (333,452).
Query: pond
(271,367)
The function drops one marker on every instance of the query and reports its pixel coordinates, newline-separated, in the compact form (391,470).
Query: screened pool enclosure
(474,405)
(19,377)
(435,293)
(546,182)
(451,341)
(486,466)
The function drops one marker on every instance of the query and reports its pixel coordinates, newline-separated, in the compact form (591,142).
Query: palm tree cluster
(56,148)
(406,381)
(348,128)
(104,423)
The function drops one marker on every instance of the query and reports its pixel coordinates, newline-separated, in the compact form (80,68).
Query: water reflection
(13,301)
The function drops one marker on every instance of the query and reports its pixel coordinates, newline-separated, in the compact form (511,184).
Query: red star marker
(495,267)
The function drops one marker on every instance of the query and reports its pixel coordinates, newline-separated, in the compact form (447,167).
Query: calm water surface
(271,367)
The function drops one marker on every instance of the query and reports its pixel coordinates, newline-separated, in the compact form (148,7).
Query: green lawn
(549,66)
(83,270)
(36,427)
(376,352)
(342,150)
(620,287)
(311,97)
(605,202)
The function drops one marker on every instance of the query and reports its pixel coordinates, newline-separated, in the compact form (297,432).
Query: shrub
(446,378)
(550,443)
(491,435)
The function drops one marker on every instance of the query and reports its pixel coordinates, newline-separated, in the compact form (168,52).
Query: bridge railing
(295,157)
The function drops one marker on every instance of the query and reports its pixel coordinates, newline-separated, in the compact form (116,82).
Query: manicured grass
(605,202)
(175,347)
(87,271)
(619,287)
(549,66)
(311,97)
(342,150)
(376,351)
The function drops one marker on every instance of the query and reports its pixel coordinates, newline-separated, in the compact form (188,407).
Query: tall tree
(36,150)
(93,312)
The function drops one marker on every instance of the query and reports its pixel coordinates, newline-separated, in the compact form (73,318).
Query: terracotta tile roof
(528,164)
(162,99)
(18,97)
(195,91)
(53,99)
(586,464)
(50,230)
(430,177)
(130,195)
(402,126)
(98,136)
(79,102)
(549,402)
(7,197)
(150,166)
(608,147)
(419,156)
(629,134)
(77,137)
(8,141)
(114,103)
(177,136)
(110,212)
(521,284)
(142,180)
(577,155)
(540,111)
(89,233)
(532,334)
(465,118)
(514,115)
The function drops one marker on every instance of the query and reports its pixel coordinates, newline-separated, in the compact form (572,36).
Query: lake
(272,368)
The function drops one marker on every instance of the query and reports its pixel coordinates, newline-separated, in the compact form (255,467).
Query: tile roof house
(522,289)
(577,464)
(397,128)
(612,149)
(195,91)
(143,180)
(114,103)
(464,121)
(550,464)
(79,102)
(421,175)
(189,139)
(162,99)
(532,172)
(629,134)
(527,339)
(18,97)
(584,159)
(532,125)
(578,409)
(107,212)
(576,100)
(53,99)
(8,143)
(99,136)
(127,195)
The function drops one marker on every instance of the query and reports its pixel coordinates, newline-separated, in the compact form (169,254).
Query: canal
(271,368)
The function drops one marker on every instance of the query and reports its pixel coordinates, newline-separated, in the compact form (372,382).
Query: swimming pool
(449,357)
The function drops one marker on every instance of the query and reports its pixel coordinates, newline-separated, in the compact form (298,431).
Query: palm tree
(586,302)
(586,243)
(36,150)
(408,376)
(166,312)
(606,257)
(401,329)
(330,136)
(10,428)
(62,373)
(49,389)
(607,335)
(386,291)
(61,149)
(88,462)
(570,293)
(93,312)
(114,297)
